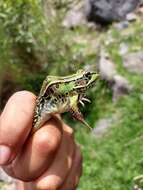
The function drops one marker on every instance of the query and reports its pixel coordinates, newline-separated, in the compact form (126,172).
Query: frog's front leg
(74,110)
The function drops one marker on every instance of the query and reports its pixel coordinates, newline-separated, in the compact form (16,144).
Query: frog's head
(86,79)
(91,77)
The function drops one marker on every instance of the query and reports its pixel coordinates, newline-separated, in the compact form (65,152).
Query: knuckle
(47,142)
(49,184)
(69,130)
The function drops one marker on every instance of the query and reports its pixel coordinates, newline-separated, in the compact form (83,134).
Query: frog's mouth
(91,84)
(84,87)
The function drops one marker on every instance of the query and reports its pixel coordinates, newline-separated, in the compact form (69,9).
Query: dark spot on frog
(87,76)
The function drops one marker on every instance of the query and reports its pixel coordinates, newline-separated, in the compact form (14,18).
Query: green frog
(63,94)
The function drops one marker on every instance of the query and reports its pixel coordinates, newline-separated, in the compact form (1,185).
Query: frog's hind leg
(86,100)
(73,109)
(78,116)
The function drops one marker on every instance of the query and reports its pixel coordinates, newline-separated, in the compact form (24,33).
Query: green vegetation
(31,43)
(112,162)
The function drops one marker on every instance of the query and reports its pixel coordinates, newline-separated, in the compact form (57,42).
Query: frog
(60,94)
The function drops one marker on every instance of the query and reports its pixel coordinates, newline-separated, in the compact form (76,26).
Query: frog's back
(61,82)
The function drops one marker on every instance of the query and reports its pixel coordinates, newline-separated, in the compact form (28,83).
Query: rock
(75,17)
(120,87)
(106,67)
(107,11)
(133,62)
(131,17)
(141,3)
(121,25)
(123,48)
(103,125)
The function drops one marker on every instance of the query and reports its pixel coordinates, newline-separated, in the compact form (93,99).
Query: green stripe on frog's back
(66,87)
(51,80)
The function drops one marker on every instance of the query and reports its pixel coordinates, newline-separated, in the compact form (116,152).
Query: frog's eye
(88,75)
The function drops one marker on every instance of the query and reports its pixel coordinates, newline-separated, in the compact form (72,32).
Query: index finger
(15,124)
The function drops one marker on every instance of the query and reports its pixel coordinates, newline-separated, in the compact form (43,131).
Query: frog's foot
(138,182)
(86,100)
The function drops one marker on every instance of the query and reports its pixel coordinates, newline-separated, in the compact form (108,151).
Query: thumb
(15,124)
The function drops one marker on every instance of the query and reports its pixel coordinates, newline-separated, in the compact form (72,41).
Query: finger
(72,179)
(38,152)
(15,124)
(68,130)
(57,172)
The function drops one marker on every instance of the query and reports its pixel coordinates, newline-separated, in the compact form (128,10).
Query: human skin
(47,160)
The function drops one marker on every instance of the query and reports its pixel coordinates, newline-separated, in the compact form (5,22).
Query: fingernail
(5,154)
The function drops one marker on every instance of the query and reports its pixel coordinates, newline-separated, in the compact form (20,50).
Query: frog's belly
(48,109)
(64,107)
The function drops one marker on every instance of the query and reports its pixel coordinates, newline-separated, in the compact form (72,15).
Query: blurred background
(58,37)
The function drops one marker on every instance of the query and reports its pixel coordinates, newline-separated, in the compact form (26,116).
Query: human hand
(47,160)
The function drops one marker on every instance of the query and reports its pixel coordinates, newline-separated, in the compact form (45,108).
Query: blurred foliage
(113,161)
(34,44)
(32,41)
(18,26)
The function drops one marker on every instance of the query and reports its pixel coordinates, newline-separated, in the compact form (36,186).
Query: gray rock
(107,11)
(121,25)
(104,124)
(106,67)
(121,86)
(133,62)
(131,17)
(123,48)
(141,2)
(75,17)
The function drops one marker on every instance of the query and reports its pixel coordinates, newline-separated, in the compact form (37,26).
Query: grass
(111,162)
